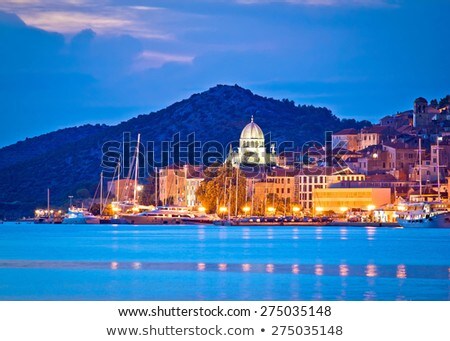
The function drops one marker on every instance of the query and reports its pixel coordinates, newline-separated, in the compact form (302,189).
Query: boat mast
(237,191)
(136,170)
(156,186)
(420,168)
(224,189)
(118,182)
(251,193)
(101,193)
(438,169)
(229,199)
(48,201)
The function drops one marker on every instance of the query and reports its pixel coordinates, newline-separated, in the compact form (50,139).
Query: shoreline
(225,223)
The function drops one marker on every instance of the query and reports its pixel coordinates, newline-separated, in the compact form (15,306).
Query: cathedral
(252,149)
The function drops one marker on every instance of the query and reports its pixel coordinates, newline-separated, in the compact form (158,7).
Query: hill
(68,160)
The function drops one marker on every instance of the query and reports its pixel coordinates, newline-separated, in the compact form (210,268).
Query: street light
(246,209)
(201,209)
(223,210)
(295,209)
(370,207)
(271,210)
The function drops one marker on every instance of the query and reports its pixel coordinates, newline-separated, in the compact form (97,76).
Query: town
(365,175)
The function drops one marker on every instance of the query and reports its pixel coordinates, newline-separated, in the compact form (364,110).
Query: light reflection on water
(343,270)
(343,233)
(398,271)
(371,270)
(207,262)
(401,271)
(371,231)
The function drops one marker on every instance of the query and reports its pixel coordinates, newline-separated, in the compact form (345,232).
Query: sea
(205,262)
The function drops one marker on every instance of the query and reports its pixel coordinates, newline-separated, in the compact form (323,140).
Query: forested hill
(68,161)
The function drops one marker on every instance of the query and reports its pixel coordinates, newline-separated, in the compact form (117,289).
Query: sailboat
(423,214)
(47,216)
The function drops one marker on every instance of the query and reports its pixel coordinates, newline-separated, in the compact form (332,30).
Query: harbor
(253,185)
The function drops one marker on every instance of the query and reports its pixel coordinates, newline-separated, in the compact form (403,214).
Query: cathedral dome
(252,131)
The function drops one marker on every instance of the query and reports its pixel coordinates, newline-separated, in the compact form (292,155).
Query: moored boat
(424,215)
(168,215)
(80,216)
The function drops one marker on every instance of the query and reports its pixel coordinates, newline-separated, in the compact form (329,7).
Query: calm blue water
(59,262)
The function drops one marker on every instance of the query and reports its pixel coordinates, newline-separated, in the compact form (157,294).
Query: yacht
(160,215)
(168,215)
(424,215)
(80,216)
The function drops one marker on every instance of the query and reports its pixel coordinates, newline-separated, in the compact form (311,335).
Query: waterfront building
(121,190)
(277,183)
(341,199)
(307,181)
(177,185)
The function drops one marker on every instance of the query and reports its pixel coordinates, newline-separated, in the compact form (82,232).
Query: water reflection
(371,270)
(295,233)
(370,295)
(246,233)
(319,233)
(223,234)
(318,269)
(401,271)
(343,270)
(371,231)
(201,234)
(343,232)
(396,271)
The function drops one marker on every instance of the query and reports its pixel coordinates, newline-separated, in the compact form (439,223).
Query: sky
(71,62)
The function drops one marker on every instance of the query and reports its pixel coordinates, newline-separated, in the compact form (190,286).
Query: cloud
(71,16)
(152,59)
(333,3)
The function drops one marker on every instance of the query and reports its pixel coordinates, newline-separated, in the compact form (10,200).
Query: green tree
(444,101)
(219,189)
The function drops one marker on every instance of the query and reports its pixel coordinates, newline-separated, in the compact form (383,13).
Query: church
(252,148)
